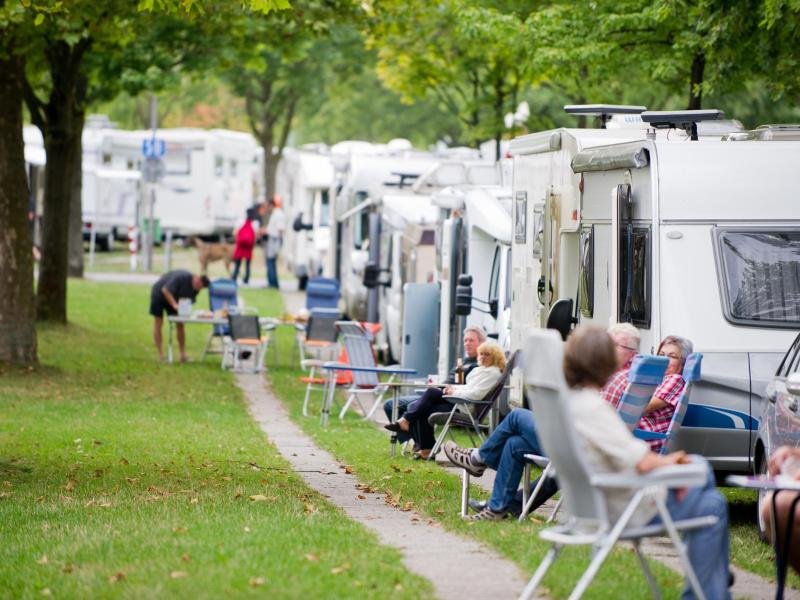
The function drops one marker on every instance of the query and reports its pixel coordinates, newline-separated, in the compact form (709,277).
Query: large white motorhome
(210,177)
(304,180)
(474,239)
(699,239)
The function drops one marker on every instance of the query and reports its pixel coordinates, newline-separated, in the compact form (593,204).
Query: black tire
(761,525)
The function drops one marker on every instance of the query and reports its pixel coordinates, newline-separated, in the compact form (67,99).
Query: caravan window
(494,280)
(634,276)
(760,276)
(219,166)
(586,277)
(232,168)
(324,209)
(178,163)
(507,303)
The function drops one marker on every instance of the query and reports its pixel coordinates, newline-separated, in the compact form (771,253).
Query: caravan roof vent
(603,111)
(681,119)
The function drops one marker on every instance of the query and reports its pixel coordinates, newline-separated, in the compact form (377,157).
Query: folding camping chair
(588,519)
(691,373)
(317,345)
(469,414)
(361,363)
(646,373)
(222,294)
(245,347)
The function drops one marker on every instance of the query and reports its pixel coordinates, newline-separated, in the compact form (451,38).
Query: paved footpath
(457,567)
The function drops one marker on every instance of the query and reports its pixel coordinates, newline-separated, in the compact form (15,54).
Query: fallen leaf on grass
(309,508)
(408,506)
(68,568)
(194,501)
(439,511)
(247,529)
(179,530)
(131,479)
(124,461)
(262,498)
(348,469)
(186,558)
(118,576)
(361,497)
(395,468)
(70,485)
(46,592)
(178,574)
(102,503)
(398,588)
(4,495)
(256,581)
(408,470)
(312,557)
(340,569)
(97,443)
(43,561)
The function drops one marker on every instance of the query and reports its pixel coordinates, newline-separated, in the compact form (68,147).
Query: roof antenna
(681,119)
(603,112)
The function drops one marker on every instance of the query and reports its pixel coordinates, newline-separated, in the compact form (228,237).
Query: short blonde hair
(628,331)
(496,356)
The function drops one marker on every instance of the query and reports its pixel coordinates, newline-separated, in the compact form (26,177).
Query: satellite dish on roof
(604,112)
(681,119)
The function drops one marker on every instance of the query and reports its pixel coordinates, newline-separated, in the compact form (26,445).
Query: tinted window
(634,276)
(324,209)
(219,166)
(508,280)
(791,361)
(586,280)
(495,278)
(760,277)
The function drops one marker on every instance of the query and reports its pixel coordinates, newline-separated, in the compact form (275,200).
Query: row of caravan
(673,222)
(207,179)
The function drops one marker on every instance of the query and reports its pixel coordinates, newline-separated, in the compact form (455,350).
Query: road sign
(154,147)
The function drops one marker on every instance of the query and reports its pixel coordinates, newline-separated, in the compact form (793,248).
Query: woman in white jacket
(480,381)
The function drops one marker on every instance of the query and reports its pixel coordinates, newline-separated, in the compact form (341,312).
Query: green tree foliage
(471,58)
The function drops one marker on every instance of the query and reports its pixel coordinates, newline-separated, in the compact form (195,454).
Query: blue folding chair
(691,373)
(222,294)
(646,373)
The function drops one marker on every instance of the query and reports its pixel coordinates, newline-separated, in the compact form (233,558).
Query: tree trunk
(17,326)
(75,235)
(695,85)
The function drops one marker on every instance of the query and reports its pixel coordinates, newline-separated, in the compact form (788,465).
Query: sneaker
(487,514)
(462,457)
(477,505)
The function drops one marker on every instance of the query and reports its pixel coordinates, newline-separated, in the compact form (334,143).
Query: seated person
(784,461)
(473,337)
(518,431)
(658,412)
(480,381)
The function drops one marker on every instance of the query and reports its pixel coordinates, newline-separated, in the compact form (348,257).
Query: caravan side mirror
(560,317)
(464,295)
(371,273)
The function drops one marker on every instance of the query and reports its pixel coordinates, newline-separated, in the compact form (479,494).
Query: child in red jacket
(245,240)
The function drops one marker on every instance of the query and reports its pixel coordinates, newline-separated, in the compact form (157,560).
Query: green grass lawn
(120,476)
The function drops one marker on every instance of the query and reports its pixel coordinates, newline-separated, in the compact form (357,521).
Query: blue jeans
(504,452)
(402,406)
(707,547)
(272,272)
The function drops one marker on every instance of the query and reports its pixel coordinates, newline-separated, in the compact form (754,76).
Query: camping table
(777,485)
(191,319)
(332,367)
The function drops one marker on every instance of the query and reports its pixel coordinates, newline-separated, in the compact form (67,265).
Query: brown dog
(208,253)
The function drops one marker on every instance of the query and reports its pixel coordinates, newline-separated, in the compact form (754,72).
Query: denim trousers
(402,406)
(504,452)
(707,547)
(272,272)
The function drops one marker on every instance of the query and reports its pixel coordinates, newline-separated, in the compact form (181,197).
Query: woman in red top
(245,240)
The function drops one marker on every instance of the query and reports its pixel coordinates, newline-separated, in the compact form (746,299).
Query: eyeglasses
(484,353)
(671,356)
(618,345)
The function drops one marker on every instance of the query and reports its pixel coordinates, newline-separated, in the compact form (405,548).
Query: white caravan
(474,239)
(702,240)
(210,177)
(304,180)
(366,181)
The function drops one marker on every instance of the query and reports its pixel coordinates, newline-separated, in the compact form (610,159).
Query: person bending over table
(480,381)
(164,297)
(784,461)
(473,337)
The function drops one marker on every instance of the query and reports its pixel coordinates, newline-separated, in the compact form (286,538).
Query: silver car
(780,419)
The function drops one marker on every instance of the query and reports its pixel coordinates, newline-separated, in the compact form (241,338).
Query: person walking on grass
(164,296)
(273,239)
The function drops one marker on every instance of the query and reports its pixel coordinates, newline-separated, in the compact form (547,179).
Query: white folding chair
(588,520)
